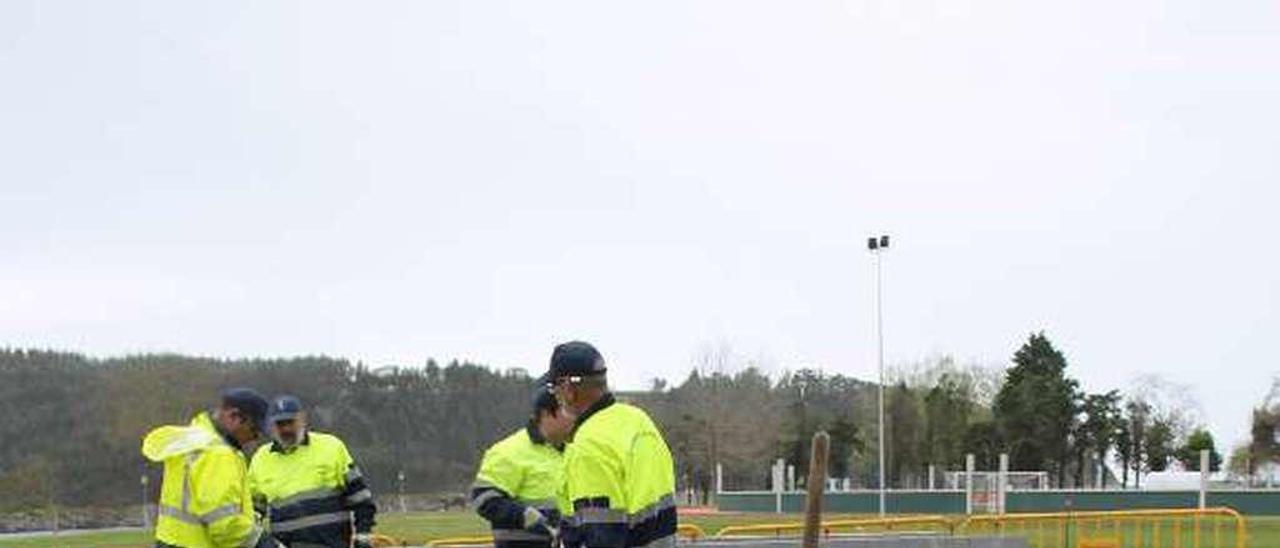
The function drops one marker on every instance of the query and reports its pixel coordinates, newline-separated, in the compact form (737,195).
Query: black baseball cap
(575,359)
(285,408)
(543,398)
(249,402)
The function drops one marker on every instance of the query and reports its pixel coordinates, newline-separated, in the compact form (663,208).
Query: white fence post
(1002,482)
(778,484)
(968,483)
(1204,476)
(403,507)
(146,498)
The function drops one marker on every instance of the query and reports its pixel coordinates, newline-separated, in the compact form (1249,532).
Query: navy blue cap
(543,397)
(575,359)
(249,402)
(285,408)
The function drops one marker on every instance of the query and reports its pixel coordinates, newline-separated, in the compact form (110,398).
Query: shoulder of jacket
(505,449)
(513,440)
(628,408)
(219,452)
(625,411)
(327,440)
(263,452)
(618,421)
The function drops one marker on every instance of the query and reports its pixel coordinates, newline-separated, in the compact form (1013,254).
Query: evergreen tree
(1189,453)
(1036,407)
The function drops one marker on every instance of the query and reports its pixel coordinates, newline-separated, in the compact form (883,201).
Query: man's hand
(362,540)
(268,541)
(555,533)
(533,518)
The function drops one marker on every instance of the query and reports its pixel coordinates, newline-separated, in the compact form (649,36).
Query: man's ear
(243,419)
(570,394)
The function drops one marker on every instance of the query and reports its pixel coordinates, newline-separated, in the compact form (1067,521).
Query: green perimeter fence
(1258,502)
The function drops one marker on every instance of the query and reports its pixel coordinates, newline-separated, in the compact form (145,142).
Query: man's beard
(292,440)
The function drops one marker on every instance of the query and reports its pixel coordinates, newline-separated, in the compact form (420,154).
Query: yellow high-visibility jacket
(520,471)
(204,500)
(620,478)
(312,491)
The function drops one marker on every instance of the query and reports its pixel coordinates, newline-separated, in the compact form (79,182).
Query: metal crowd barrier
(1182,528)
(1191,528)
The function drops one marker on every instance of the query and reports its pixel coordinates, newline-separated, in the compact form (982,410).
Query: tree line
(73,423)
(1263,445)
(936,414)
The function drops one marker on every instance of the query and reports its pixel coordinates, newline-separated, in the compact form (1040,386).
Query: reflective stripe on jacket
(620,478)
(310,491)
(204,499)
(520,471)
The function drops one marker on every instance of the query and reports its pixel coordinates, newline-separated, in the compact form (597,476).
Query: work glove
(533,518)
(362,540)
(569,536)
(268,541)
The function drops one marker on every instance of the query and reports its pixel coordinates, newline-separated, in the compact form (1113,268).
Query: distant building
(1171,480)
(1267,475)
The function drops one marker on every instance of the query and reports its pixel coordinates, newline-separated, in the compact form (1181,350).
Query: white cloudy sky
(388,181)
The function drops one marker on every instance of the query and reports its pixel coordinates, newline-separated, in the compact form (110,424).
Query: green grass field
(1264,532)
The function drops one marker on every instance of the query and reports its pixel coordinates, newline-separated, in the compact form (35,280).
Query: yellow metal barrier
(462,541)
(1192,528)
(686,530)
(379,541)
(928,523)
(690,531)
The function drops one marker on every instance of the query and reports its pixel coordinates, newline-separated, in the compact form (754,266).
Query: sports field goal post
(985,490)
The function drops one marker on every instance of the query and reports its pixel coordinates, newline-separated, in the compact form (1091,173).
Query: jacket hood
(170,441)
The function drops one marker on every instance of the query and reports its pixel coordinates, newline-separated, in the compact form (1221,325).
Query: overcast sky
(388,181)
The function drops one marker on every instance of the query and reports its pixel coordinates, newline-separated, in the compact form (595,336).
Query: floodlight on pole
(877,245)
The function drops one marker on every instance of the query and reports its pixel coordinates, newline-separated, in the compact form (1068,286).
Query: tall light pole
(877,245)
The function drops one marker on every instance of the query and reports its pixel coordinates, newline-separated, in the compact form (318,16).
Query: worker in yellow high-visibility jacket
(204,500)
(519,486)
(619,473)
(309,486)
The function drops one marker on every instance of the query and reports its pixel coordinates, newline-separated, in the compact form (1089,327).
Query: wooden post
(815,484)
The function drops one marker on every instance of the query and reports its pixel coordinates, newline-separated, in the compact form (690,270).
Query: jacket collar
(534,434)
(205,420)
(600,405)
(537,438)
(306,440)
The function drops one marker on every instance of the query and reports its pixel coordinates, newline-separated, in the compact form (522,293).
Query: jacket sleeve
(491,493)
(221,500)
(255,494)
(569,537)
(599,504)
(356,494)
